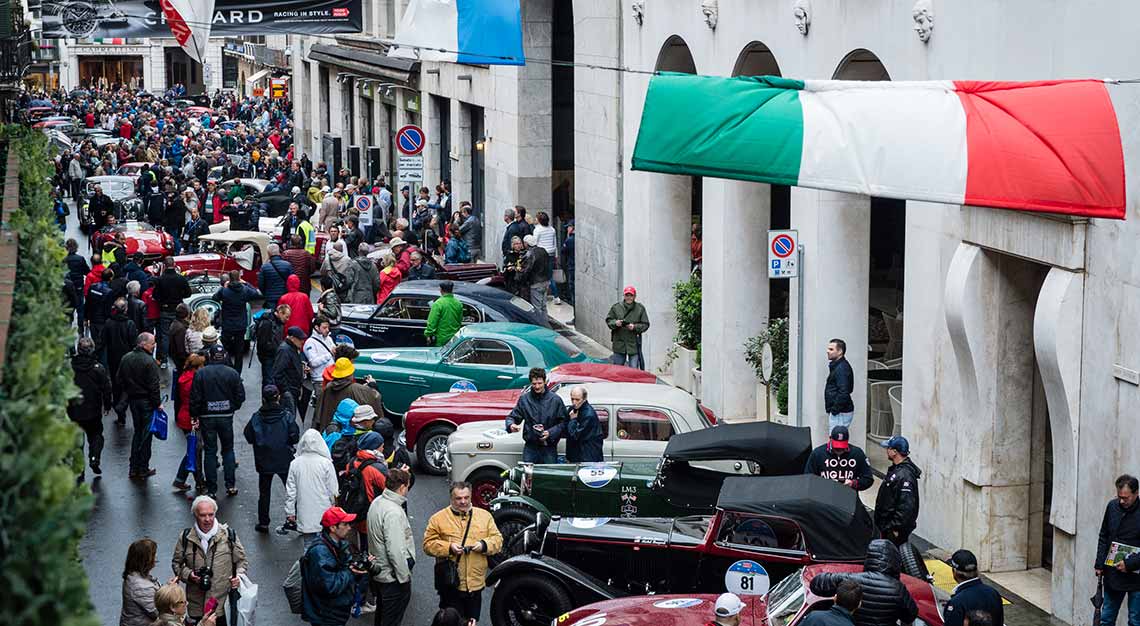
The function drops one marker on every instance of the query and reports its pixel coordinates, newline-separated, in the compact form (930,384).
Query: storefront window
(111,72)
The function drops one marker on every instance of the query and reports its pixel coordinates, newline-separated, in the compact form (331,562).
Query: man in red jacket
(300,305)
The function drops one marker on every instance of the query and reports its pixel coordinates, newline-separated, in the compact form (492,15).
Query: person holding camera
(333,577)
(208,558)
(461,537)
(541,416)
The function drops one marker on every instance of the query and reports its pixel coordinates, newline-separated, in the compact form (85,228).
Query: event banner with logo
(143,18)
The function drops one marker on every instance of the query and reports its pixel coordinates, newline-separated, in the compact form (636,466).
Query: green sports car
(479,357)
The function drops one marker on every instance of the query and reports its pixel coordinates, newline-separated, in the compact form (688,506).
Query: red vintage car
(154,243)
(434,416)
(786,604)
(225,251)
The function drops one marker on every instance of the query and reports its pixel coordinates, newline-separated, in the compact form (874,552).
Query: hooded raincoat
(311,487)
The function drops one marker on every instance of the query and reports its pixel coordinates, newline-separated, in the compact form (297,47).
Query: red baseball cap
(840,438)
(629,290)
(335,515)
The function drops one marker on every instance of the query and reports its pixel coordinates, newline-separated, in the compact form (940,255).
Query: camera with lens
(359,562)
(205,577)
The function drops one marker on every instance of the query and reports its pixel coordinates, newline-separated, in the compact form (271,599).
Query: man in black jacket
(1121,524)
(215,395)
(841,461)
(536,269)
(138,378)
(896,505)
(170,290)
(848,597)
(94,399)
(118,339)
(289,367)
(269,332)
(77,270)
(272,431)
(840,383)
(541,416)
(235,295)
(273,276)
(971,594)
(886,600)
(99,207)
(97,307)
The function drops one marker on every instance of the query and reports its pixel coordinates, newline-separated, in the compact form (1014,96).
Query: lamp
(481,143)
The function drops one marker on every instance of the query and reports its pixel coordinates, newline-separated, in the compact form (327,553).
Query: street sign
(746,578)
(782,245)
(410,168)
(364,205)
(278,88)
(410,140)
(766,361)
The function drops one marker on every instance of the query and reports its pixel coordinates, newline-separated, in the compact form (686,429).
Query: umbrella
(1097,599)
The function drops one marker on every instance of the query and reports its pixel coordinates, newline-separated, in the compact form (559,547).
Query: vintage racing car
(495,355)
(221,252)
(154,243)
(121,191)
(781,523)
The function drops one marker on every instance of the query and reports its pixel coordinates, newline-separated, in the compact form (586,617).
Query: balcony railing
(15,56)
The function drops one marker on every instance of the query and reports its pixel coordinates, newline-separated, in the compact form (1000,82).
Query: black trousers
(468,603)
(391,603)
(264,489)
(235,344)
(93,429)
(140,440)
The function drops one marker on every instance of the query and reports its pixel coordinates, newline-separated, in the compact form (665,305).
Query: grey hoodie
(311,486)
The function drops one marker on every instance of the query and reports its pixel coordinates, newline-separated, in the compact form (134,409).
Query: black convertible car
(401,319)
(782,522)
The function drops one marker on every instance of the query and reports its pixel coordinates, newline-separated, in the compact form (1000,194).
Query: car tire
(485,485)
(429,439)
(511,520)
(912,563)
(529,601)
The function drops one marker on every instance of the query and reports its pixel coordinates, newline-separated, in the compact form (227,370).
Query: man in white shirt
(318,351)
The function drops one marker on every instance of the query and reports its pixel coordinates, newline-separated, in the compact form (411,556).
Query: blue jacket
(272,279)
(546,409)
(835,616)
(457,251)
(273,431)
(132,271)
(973,595)
(234,297)
(584,437)
(329,587)
(837,390)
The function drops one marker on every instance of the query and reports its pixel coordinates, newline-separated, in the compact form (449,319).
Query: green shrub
(687,306)
(776,334)
(44,511)
(782,397)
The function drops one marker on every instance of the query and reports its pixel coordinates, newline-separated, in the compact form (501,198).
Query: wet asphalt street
(125,511)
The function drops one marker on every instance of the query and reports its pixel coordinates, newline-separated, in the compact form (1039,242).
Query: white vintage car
(637,421)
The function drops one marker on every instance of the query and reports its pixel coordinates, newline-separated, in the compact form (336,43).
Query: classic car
(153,242)
(492,355)
(781,523)
(786,603)
(432,417)
(401,319)
(276,202)
(637,422)
(482,273)
(133,169)
(121,191)
(220,252)
(685,481)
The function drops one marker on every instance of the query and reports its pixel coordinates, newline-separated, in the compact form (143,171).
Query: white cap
(728,604)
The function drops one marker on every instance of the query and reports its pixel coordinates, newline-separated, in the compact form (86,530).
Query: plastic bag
(247,603)
(159,423)
(192,452)
(292,587)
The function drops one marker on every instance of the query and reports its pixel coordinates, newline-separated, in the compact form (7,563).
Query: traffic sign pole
(800,336)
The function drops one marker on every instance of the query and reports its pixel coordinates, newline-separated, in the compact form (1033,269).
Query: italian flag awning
(1049,146)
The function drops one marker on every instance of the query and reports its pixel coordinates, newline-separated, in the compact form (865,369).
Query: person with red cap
(330,574)
(627,321)
(841,461)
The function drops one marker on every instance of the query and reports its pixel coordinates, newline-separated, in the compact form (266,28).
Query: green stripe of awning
(745,128)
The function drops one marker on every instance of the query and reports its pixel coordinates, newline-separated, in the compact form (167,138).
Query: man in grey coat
(363,277)
(390,540)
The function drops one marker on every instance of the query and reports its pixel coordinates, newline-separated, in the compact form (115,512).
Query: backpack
(343,451)
(339,281)
(353,496)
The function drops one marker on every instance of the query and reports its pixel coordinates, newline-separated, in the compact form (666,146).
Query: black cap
(217,353)
(295,331)
(963,561)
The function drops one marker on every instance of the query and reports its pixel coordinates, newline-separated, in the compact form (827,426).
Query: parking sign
(782,248)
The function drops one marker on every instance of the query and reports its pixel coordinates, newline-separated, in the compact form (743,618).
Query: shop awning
(365,62)
(1048,146)
(255,77)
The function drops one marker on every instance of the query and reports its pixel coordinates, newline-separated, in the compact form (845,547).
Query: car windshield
(694,525)
(785,599)
(567,348)
(522,304)
(451,344)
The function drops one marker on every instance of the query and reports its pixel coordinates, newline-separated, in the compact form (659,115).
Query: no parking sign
(364,205)
(782,246)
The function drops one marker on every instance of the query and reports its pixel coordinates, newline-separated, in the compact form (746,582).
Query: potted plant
(776,335)
(683,355)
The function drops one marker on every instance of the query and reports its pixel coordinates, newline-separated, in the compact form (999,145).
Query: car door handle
(504,377)
(417,379)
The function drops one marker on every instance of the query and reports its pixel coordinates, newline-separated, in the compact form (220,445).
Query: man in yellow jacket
(444,539)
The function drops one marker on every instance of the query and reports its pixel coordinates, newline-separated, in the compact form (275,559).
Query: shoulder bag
(447,569)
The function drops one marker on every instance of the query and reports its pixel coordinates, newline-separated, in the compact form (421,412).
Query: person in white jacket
(318,351)
(311,487)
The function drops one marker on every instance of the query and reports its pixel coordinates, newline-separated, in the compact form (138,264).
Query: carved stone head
(801,11)
(638,7)
(923,14)
(711,11)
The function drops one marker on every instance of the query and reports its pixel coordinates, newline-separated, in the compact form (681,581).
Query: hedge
(43,511)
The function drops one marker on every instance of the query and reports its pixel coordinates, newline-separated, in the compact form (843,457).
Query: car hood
(482,431)
(499,399)
(662,610)
(146,241)
(378,360)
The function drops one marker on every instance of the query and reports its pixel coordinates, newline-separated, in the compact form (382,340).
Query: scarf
(204,538)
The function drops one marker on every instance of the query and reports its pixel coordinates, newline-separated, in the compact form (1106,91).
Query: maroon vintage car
(434,416)
(786,604)
(154,243)
(230,250)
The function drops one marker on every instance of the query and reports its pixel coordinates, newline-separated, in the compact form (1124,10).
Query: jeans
(309,539)
(568,296)
(550,266)
(234,343)
(1111,608)
(392,602)
(629,360)
(183,473)
(264,489)
(140,441)
(544,454)
(538,299)
(93,429)
(215,428)
(162,337)
(468,603)
(840,419)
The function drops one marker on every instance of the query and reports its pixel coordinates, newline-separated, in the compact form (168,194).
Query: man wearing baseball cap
(841,461)
(727,610)
(896,506)
(330,581)
(971,594)
(627,320)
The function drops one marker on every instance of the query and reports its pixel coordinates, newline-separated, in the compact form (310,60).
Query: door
(639,433)
(487,363)
(776,543)
(400,321)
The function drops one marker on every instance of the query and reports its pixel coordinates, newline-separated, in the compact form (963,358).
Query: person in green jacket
(627,320)
(445,318)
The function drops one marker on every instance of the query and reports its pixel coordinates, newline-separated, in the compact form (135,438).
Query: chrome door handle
(504,377)
(416,379)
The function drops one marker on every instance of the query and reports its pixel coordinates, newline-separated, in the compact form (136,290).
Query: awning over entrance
(1049,146)
(365,62)
(253,78)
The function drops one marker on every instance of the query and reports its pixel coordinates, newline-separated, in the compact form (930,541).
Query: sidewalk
(561,316)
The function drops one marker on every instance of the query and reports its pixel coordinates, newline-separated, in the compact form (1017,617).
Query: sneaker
(557,300)
(262,528)
(231,491)
(148,472)
(178,486)
(163,365)
(96,469)
(368,607)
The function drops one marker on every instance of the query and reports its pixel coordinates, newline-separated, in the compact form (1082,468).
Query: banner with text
(144,18)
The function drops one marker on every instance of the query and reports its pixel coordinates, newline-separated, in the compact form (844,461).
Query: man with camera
(333,576)
(460,537)
(541,416)
(208,557)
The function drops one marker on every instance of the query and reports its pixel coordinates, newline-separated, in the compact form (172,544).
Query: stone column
(320,100)
(381,133)
(834,229)
(534,107)
(734,302)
